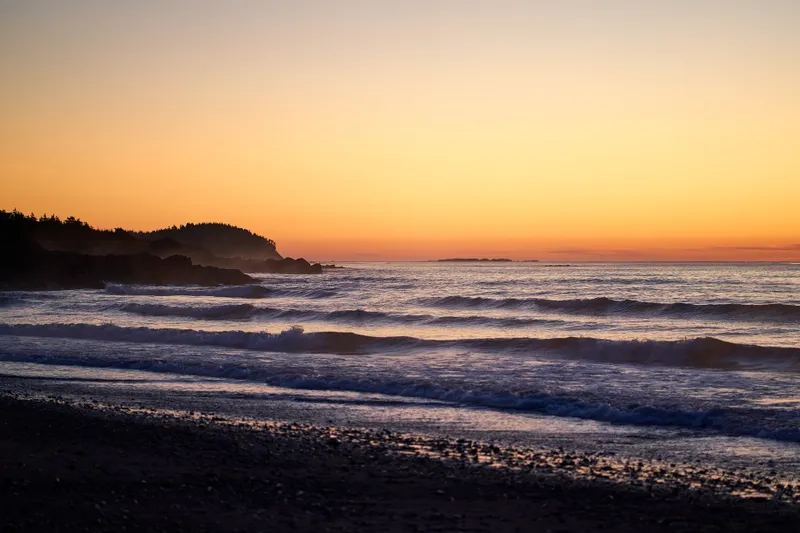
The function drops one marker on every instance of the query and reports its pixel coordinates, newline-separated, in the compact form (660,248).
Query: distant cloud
(785,248)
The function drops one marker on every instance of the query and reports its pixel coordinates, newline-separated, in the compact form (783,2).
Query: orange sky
(572,130)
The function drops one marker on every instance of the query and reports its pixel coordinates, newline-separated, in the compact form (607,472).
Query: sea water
(688,361)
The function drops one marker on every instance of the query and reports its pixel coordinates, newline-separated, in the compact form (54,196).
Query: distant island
(48,252)
(475,260)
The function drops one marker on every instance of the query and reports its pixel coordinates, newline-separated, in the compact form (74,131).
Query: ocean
(680,362)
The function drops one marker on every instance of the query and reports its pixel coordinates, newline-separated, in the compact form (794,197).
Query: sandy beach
(89,467)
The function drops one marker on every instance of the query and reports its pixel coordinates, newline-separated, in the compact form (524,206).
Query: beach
(408,397)
(70,466)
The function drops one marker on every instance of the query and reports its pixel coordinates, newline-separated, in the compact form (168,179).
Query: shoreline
(86,466)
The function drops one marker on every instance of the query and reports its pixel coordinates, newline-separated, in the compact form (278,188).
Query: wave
(507,322)
(591,281)
(293,340)
(561,404)
(244,291)
(215,312)
(359,316)
(314,294)
(239,311)
(631,281)
(705,352)
(14,297)
(602,306)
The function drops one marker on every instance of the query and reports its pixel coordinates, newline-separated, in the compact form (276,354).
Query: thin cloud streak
(785,248)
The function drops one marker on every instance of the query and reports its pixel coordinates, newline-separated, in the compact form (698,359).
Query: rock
(268,266)
(301,266)
(290,266)
(25,265)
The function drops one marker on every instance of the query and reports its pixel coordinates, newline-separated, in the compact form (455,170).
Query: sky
(383,130)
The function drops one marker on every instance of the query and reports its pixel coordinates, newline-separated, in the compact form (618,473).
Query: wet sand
(83,467)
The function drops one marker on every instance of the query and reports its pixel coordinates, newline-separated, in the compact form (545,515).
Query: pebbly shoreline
(68,466)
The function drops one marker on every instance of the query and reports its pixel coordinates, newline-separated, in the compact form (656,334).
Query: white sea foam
(485,394)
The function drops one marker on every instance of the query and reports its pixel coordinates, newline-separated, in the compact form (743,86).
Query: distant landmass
(222,240)
(476,259)
(47,252)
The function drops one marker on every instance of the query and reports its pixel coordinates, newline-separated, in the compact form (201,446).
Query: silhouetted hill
(221,240)
(37,238)
(24,264)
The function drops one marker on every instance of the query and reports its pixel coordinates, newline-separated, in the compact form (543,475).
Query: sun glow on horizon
(414,130)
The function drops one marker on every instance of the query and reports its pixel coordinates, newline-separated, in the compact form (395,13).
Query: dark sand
(70,467)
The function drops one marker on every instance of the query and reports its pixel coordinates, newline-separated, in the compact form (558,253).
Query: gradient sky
(561,130)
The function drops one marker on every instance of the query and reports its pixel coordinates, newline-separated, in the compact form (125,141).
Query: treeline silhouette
(220,239)
(48,251)
(52,228)
(73,234)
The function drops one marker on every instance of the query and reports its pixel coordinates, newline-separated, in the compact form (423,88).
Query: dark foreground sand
(75,468)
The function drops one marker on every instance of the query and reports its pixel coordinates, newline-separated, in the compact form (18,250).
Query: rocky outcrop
(270,266)
(26,265)
(290,266)
(212,245)
(166,246)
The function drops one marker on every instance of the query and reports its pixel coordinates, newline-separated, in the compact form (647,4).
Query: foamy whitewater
(688,359)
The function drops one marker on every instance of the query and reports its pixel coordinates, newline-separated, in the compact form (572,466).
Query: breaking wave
(703,352)
(214,312)
(603,306)
(485,394)
(244,291)
(360,316)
